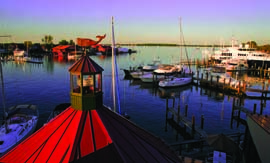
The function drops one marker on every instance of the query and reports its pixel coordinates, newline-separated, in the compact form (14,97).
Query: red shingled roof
(85,65)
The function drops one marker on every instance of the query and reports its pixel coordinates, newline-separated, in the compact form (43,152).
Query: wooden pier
(237,109)
(179,120)
(227,86)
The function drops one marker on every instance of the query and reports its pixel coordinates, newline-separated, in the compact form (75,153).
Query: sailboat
(178,81)
(19,122)
(115,86)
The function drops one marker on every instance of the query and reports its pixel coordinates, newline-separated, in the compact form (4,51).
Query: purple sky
(137,21)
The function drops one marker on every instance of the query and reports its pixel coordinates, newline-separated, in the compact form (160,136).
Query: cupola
(86,84)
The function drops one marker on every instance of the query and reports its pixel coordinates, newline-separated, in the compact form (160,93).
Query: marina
(145,103)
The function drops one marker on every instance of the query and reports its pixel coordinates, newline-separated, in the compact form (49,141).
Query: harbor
(202,109)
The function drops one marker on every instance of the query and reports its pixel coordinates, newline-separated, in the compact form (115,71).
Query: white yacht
(253,57)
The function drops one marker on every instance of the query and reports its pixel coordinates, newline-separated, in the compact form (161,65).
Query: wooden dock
(178,119)
(226,86)
(237,109)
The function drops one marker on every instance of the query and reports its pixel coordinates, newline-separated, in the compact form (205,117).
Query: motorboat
(19,53)
(152,66)
(235,64)
(166,69)
(175,81)
(20,122)
(139,73)
(132,69)
(122,50)
(150,77)
(74,55)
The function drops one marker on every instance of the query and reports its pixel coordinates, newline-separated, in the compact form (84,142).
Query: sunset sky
(137,21)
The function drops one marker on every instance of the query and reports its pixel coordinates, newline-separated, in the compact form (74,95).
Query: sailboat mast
(180,39)
(184,44)
(113,67)
(115,73)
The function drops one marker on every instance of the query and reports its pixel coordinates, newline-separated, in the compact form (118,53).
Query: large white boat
(20,122)
(253,57)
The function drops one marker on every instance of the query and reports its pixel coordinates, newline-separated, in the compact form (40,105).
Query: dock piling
(254,108)
(202,121)
(186,109)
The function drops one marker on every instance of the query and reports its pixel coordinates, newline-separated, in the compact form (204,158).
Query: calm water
(47,85)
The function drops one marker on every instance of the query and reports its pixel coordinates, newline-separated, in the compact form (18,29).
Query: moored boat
(19,53)
(252,55)
(20,122)
(236,65)
(74,54)
(58,110)
(166,69)
(152,66)
(175,82)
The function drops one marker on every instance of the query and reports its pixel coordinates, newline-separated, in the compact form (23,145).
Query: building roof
(91,136)
(61,47)
(85,65)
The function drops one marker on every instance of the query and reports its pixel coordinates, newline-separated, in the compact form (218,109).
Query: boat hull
(19,127)
(175,82)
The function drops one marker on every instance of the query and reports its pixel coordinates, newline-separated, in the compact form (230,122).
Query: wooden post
(245,86)
(217,80)
(262,88)
(233,103)
(202,121)
(254,108)
(193,123)
(238,116)
(232,115)
(239,84)
(186,109)
(178,113)
(261,110)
